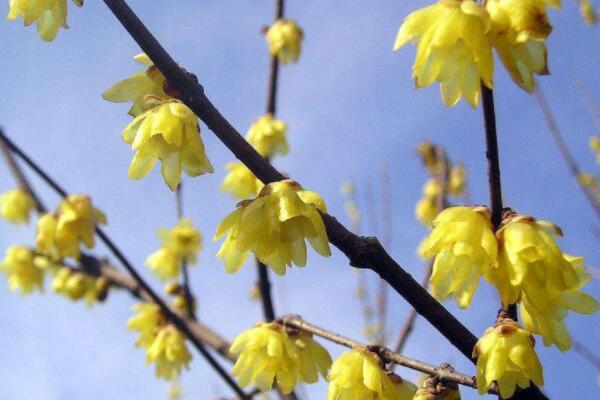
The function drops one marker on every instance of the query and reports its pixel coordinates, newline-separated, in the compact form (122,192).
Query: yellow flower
(464,247)
(50,15)
(184,239)
(548,323)
(164,263)
(16,205)
(595,144)
(426,210)
(589,15)
(505,354)
(359,374)
(269,355)
(519,28)
(267,136)
(75,285)
(432,188)
(533,262)
(285,40)
(240,181)
(140,88)
(165,345)
(274,226)
(78,218)
(21,270)
(169,132)
(452,48)
(457,180)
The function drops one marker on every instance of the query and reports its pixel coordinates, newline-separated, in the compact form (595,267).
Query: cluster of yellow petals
(359,374)
(457,180)
(274,226)
(180,244)
(50,15)
(267,136)
(285,40)
(269,355)
(16,206)
(21,269)
(241,182)
(428,207)
(60,234)
(505,354)
(165,345)
(464,247)
(139,88)
(76,285)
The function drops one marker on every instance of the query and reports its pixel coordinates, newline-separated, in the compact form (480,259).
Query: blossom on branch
(267,136)
(50,15)
(16,206)
(285,40)
(23,273)
(77,285)
(274,226)
(270,355)
(241,182)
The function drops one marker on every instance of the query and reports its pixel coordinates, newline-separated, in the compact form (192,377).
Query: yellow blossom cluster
(505,355)
(274,226)
(23,272)
(164,344)
(285,40)
(360,374)
(454,40)
(270,355)
(180,244)
(77,285)
(16,206)
(163,127)
(61,233)
(50,15)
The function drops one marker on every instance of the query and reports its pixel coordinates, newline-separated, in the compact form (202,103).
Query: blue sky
(350,106)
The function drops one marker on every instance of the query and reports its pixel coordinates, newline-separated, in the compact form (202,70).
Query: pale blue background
(350,105)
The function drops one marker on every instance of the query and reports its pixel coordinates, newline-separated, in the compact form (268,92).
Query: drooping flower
(452,48)
(426,210)
(50,15)
(519,28)
(164,263)
(464,247)
(78,218)
(457,180)
(359,374)
(240,181)
(267,136)
(548,322)
(285,40)
(16,206)
(21,270)
(165,345)
(588,13)
(76,285)
(505,354)
(168,132)
(140,88)
(269,355)
(274,226)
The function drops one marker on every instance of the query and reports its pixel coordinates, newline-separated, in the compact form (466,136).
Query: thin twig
(362,252)
(386,224)
(588,100)
(563,149)
(168,311)
(190,301)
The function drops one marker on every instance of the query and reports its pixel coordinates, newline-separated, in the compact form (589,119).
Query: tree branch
(189,297)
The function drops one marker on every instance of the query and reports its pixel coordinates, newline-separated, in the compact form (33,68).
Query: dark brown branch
(143,286)
(363,252)
(563,149)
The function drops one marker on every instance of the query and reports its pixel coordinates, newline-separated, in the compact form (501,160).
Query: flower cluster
(61,233)
(50,15)
(163,127)
(77,285)
(360,374)
(454,40)
(180,244)
(16,206)
(269,354)
(274,226)
(165,345)
(285,40)
(22,271)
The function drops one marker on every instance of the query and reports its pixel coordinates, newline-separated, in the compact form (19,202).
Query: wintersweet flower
(16,206)
(426,210)
(359,374)
(184,239)
(274,226)
(78,218)
(589,15)
(165,345)
(285,40)
(21,270)
(505,354)
(452,48)
(548,323)
(240,181)
(269,355)
(76,285)
(429,157)
(518,31)
(50,15)
(168,132)
(267,136)
(533,262)
(464,247)
(164,263)
(140,88)
(457,180)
